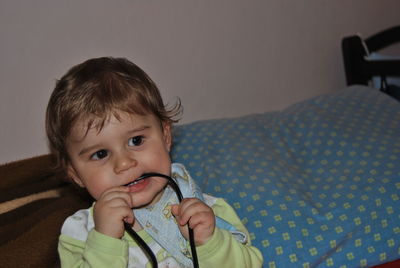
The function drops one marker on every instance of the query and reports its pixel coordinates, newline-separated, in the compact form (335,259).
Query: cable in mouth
(135,181)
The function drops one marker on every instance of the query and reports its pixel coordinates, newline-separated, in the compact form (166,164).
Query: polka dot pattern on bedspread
(316,184)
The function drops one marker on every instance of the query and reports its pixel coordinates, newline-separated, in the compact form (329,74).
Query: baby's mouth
(136,181)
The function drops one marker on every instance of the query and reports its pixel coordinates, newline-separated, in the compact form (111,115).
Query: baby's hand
(111,211)
(198,215)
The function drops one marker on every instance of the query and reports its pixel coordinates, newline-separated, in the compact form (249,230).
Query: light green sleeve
(223,250)
(98,251)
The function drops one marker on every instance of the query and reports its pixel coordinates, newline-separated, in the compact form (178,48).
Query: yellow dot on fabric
(329,262)
(304,232)
(319,238)
(263,213)
(250,208)
(266,181)
(350,256)
(283,207)
(363,263)
(269,203)
(338,229)
(374,215)
(377,237)
(299,244)
(261,188)
(371,249)
(265,243)
(297,213)
(279,250)
(382,256)
(329,216)
(257,224)
(272,230)
(389,210)
(358,242)
(293,258)
(236,205)
(301,203)
(390,242)
(271,264)
(313,251)
(286,236)
(361,208)
(350,196)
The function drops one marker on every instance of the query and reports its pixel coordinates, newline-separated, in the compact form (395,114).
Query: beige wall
(222,58)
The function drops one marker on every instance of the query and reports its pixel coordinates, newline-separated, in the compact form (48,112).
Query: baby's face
(122,151)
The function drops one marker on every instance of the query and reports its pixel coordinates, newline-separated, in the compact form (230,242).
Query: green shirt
(93,249)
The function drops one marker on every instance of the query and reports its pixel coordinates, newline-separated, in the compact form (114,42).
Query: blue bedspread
(316,184)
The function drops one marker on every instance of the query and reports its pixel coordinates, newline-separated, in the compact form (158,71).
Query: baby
(107,125)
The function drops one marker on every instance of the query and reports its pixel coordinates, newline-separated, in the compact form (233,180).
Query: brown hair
(94,90)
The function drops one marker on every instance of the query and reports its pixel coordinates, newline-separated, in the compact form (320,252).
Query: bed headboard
(361,63)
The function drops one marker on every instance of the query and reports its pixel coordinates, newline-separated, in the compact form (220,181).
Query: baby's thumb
(176,213)
(130,219)
(175,210)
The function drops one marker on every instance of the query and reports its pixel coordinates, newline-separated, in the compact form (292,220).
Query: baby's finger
(119,201)
(113,190)
(198,219)
(175,210)
(129,218)
(190,208)
(109,196)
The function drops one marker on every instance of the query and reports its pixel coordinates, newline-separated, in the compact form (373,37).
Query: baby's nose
(124,162)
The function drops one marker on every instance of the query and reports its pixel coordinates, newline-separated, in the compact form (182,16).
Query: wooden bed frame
(360,70)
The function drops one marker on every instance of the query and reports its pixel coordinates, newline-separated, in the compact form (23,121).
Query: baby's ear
(167,135)
(74,176)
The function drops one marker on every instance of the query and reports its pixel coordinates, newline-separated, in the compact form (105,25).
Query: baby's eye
(99,155)
(135,141)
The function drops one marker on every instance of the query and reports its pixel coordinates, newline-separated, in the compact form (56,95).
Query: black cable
(140,241)
(142,244)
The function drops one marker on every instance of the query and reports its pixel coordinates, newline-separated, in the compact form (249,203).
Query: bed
(317,184)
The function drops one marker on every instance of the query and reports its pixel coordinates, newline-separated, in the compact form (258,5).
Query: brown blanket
(34,202)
